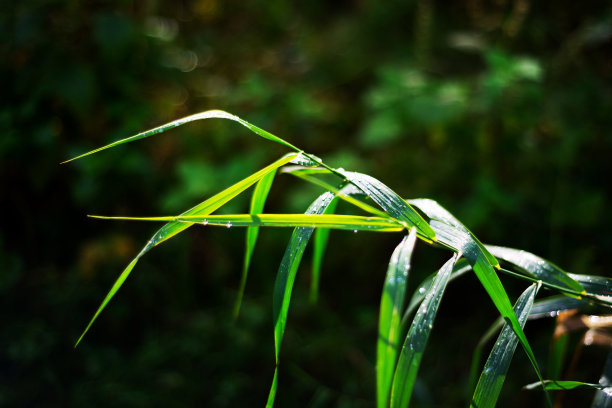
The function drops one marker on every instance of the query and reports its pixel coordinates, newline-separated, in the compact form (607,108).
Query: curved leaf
(597,286)
(258,200)
(388,200)
(538,267)
(554,385)
(551,306)
(218,114)
(391,304)
(416,340)
(285,279)
(494,372)
(172,228)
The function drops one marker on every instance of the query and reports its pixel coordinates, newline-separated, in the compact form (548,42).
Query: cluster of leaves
(401,342)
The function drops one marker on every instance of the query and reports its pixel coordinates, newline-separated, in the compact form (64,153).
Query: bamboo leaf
(179,122)
(538,267)
(554,385)
(343,222)
(603,397)
(172,228)
(455,238)
(416,340)
(392,302)
(388,200)
(258,200)
(494,373)
(551,306)
(285,279)
(435,211)
(597,286)
(319,244)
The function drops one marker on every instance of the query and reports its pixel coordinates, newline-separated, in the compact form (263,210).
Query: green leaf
(551,306)
(286,277)
(198,116)
(416,340)
(494,373)
(258,200)
(559,385)
(343,222)
(461,241)
(596,286)
(319,244)
(537,267)
(391,305)
(459,269)
(435,211)
(603,397)
(388,200)
(172,228)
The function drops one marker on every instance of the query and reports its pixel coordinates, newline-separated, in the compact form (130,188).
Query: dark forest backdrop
(500,110)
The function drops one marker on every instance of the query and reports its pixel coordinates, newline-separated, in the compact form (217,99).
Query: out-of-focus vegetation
(498,110)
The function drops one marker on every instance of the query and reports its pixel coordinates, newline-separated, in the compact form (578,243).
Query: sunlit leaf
(563,385)
(285,279)
(172,228)
(342,222)
(494,373)
(179,122)
(537,267)
(319,244)
(258,200)
(416,340)
(391,305)
(388,200)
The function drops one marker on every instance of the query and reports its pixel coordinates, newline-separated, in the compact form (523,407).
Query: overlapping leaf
(416,340)
(174,227)
(603,397)
(494,372)
(389,322)
(285,279)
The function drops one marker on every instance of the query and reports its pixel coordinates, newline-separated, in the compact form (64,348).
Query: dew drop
(421,290)
(229,224)
(354,231)
(205,222)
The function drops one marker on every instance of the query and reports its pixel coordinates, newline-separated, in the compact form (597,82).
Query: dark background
(500,110)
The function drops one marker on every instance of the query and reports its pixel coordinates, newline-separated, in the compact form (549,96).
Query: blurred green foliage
(501,111)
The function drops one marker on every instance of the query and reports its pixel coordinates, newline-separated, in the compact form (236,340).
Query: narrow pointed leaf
(458,239)
(319,244)
(172,228)
(559,385)
(603,397)
(494,373)
(435,211)
(416,340)
(218,114)
(391,305)
(286,277)
(258,199)
(551,306)
(537,267)
(597,286)
(343,222)
(388,200)
(459,269)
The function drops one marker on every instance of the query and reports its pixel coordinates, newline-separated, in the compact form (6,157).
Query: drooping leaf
(494,373)
(258,200)
(172,228)
(285,279)
(416,340)
(551,306)
(391,305)
(461,241)
(388,200)
(341,221)
(597,286)
(537,267)
(558,385)
(179,122)
(460,268)
(603,397)
(319,244)
(435,211)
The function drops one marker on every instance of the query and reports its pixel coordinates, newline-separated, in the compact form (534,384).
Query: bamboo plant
(405,320)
